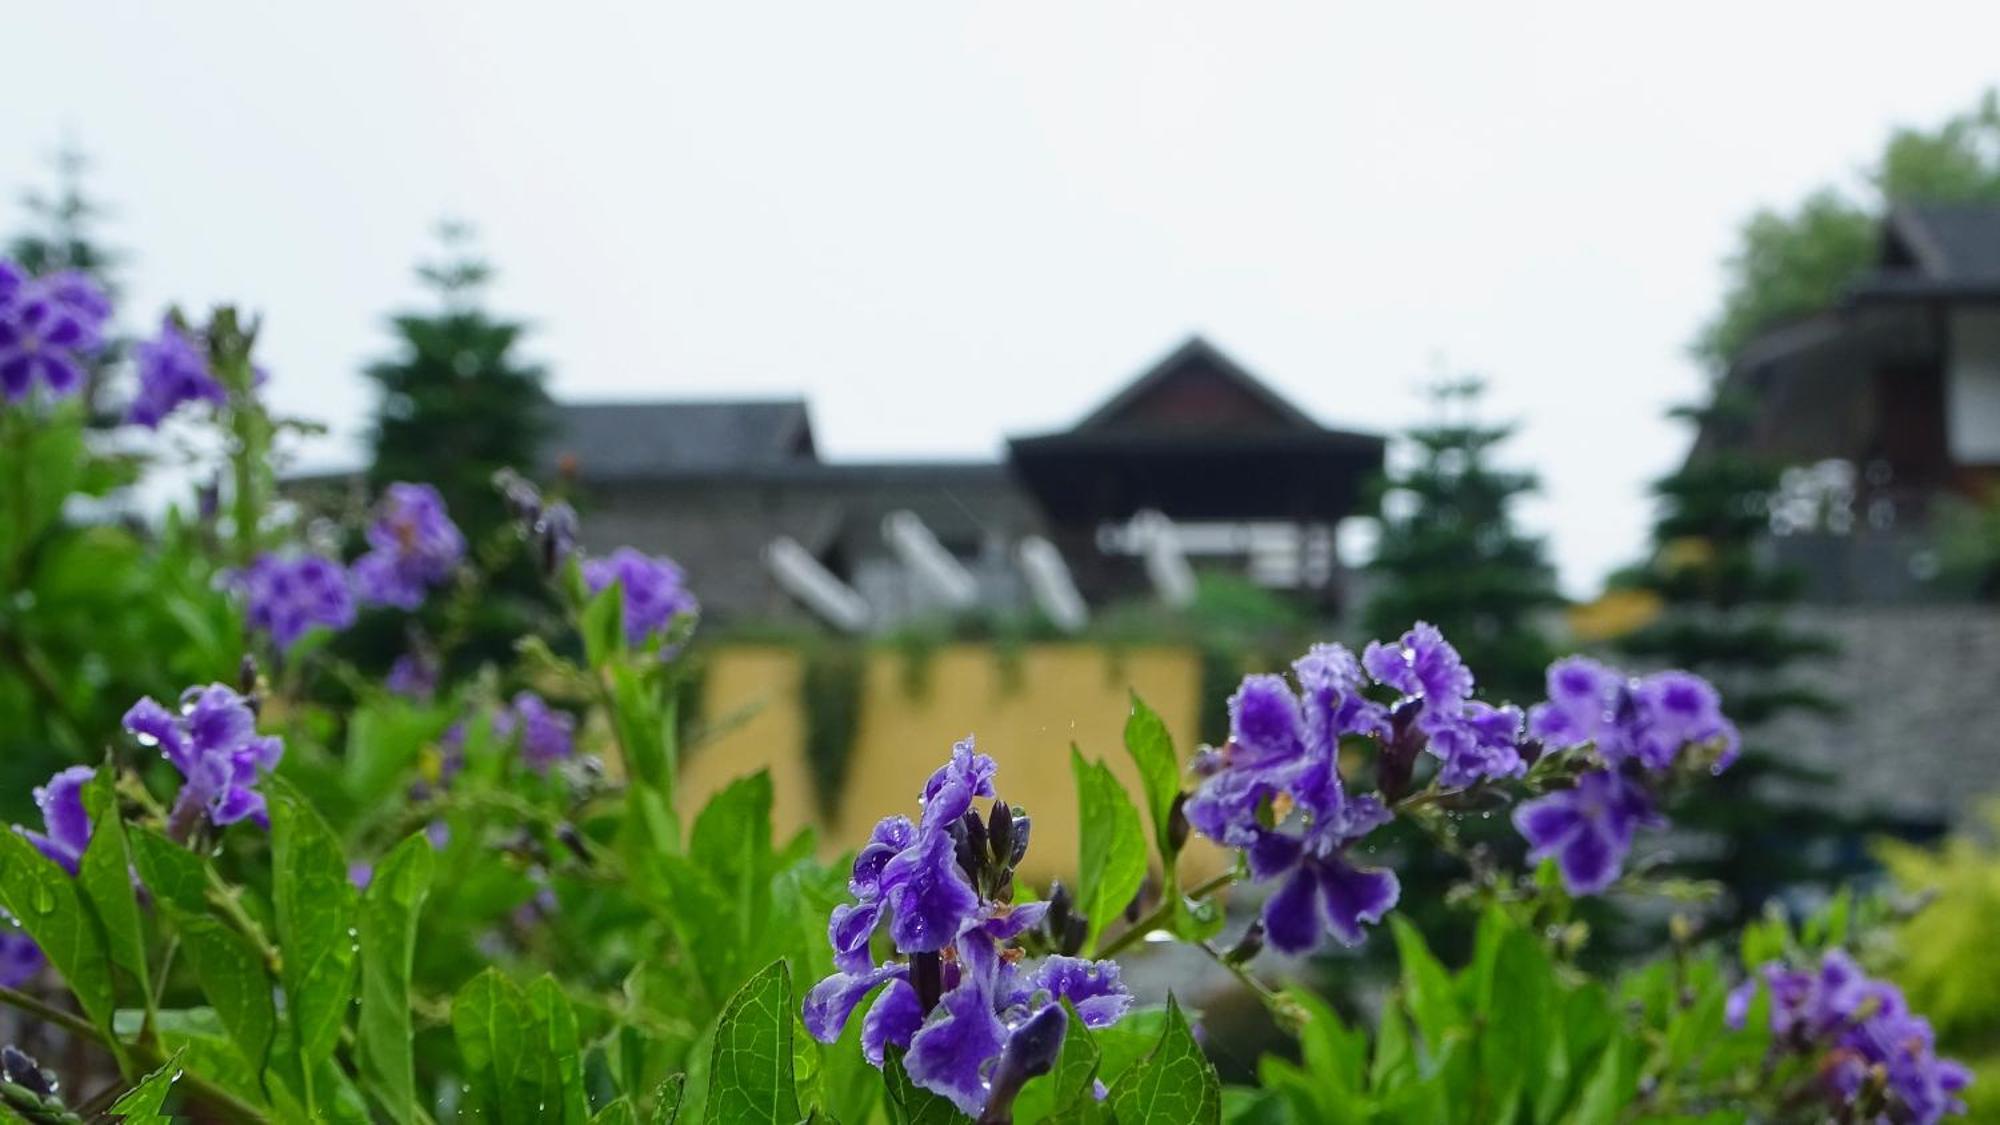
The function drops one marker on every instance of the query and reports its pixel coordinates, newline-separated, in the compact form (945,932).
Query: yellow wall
(1064,693)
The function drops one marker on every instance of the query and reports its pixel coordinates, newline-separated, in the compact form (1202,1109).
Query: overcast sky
(944,223)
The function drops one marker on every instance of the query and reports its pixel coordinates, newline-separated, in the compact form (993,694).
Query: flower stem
(1165,910)
(226,1105)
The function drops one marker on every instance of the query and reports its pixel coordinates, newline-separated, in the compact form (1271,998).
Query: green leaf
(603,625)
(316,928)
(1174,1085)
(644,717)
(750,1069)
(617,1113)
(1427,988)
(1112,848)
(561,1058)
(1152,748)
(1514,1043)
(667,1100)
(106,878)
(389,911)
(42,897)
(910,1104)
(233,977)
(1610,1090)
(230,970)
(144,1104)
(491,1018)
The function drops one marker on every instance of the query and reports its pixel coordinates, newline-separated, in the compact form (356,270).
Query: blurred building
(1888,407)
(1886,404)
(1252,484)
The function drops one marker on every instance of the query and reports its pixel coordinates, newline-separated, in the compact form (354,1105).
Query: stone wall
(1920,687)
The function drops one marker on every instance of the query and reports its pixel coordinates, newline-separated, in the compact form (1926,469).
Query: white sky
(944,222)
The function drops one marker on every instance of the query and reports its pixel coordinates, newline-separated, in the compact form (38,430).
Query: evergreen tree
(458,404)
(1723,615)
(1451,555)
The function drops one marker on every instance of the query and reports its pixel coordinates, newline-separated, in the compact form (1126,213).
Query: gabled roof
(1944,242)
(636,440)
(1199,367)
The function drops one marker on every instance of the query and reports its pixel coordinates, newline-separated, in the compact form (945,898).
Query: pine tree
(458,404)
(1723,615)
(1450,553)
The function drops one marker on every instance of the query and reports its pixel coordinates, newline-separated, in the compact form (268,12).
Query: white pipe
(804,578)
(1049,580)
(1166,563)
(928,561)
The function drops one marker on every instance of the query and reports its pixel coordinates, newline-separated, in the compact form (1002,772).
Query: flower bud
(1177,824)
(17,1067)
(1022,823)
(1030,1053)
(1248,946)
(1000,832)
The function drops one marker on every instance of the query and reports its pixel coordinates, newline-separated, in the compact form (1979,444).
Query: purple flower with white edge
(1275,792)
(547,735)
(1588,828)
(213,741)
(49,327)
(1855,1026)
(413,546)
(173,371)
(653,591)
(974,1022)
(284,598)
(1648,719)
(1474,741)
(64,817)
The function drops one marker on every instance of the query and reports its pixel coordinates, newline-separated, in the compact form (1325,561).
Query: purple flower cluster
(213,741)
(173,371)
(1274,791)
(1473,741)
(49,327)
(653,591)
(970,1016)
(1636,727)
(1868,1043)
(286,597)
(412,546)
(547,735)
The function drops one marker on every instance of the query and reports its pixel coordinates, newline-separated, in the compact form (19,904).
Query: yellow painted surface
(1062,694)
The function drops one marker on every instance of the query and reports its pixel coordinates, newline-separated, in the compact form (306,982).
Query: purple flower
(20,957)
(1853,1024)
(213,741)
(987,1022)
(286,597)
(173,370)
(1275,792)
(1648,719)
(547,735)
(653,591)
(360,873)
(413,545)
(48,328)
(1588,828)
(63,815)
(1474,741)
(414,675)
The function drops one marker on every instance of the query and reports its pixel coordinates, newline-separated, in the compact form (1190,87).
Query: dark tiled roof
(636,440)
(1952,243)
